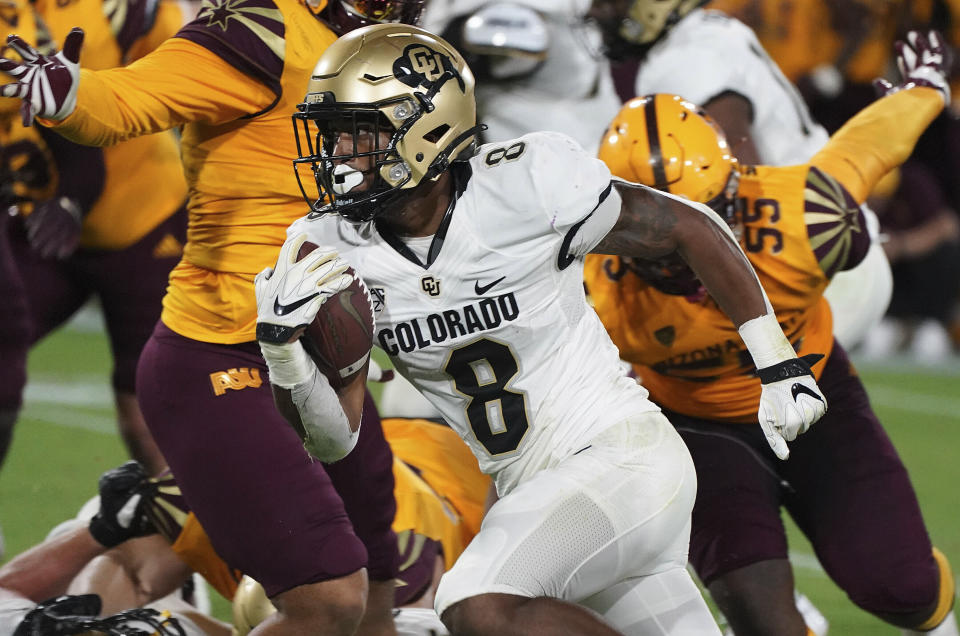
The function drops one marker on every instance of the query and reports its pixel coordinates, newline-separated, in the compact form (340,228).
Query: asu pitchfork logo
(235,379)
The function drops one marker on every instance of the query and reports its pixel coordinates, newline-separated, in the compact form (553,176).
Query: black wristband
(789,368)
(275,334)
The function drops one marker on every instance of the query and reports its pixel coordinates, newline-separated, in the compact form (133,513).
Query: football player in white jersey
(474,258)
(711,59)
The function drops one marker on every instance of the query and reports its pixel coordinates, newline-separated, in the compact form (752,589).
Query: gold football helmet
(629,27)
(346,15)
(250,606)
(665,142)
(407,94)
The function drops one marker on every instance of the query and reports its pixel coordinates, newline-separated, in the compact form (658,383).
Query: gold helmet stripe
(653,138)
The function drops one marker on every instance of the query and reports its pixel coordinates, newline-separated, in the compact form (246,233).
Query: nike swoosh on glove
(790,401)
(47,84)
(290,295)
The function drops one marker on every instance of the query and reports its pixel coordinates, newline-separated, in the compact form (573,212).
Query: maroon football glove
(923,60)
(47,84)
(53,229)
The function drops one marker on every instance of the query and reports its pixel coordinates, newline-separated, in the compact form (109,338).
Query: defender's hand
(790,401)
(289,296)
(923,60)
(124,493)
(47,84)
(53,229)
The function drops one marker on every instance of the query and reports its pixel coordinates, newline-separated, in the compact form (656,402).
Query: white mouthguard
(346,179)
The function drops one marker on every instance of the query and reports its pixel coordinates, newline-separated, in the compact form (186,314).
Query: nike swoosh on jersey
(798,388)
(282,310)
(483,289)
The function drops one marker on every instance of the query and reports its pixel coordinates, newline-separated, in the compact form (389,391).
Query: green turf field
(66,438)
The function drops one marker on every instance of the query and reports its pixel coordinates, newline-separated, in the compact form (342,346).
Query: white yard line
(913,401)
(71,404)
(55,414)
(805,561)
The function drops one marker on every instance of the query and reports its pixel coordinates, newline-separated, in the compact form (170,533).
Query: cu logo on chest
(430,286)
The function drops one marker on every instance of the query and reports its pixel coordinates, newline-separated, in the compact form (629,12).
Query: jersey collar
(461,172)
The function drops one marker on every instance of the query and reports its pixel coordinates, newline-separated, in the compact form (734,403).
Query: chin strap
(442,160)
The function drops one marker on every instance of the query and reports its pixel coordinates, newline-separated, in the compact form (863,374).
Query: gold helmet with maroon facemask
(668,143)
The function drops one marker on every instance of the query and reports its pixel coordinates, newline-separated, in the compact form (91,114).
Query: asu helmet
(403,92)
(631,26)
(346,15)
(668,143)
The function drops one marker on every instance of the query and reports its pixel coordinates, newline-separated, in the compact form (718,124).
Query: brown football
(340,338)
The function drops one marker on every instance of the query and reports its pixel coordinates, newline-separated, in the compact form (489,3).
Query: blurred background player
(112,222)
(674,46)
(536,66)
(833,50)
(88,577)
(799,226)
(230,79)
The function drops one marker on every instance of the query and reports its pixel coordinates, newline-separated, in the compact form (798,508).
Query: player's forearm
(721,266)
(878,139)
(729,277)
(158,92)
(653,224)
(109,112)
(305,398)
(45,570)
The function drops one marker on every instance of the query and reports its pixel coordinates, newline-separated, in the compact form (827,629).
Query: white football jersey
(495,331)
(709,53)
(570,92)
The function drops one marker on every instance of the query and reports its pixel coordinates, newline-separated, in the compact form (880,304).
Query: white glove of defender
(790,401)
(290,295)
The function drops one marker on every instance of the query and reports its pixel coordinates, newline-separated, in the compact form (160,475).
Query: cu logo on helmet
(426,62)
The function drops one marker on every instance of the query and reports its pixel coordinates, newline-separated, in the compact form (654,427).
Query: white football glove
(290,295)
(47,84)
(923,61)
(790,401)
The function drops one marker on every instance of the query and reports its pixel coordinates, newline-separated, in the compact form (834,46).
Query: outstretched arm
(652,224)
(179,83)
(882,136)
